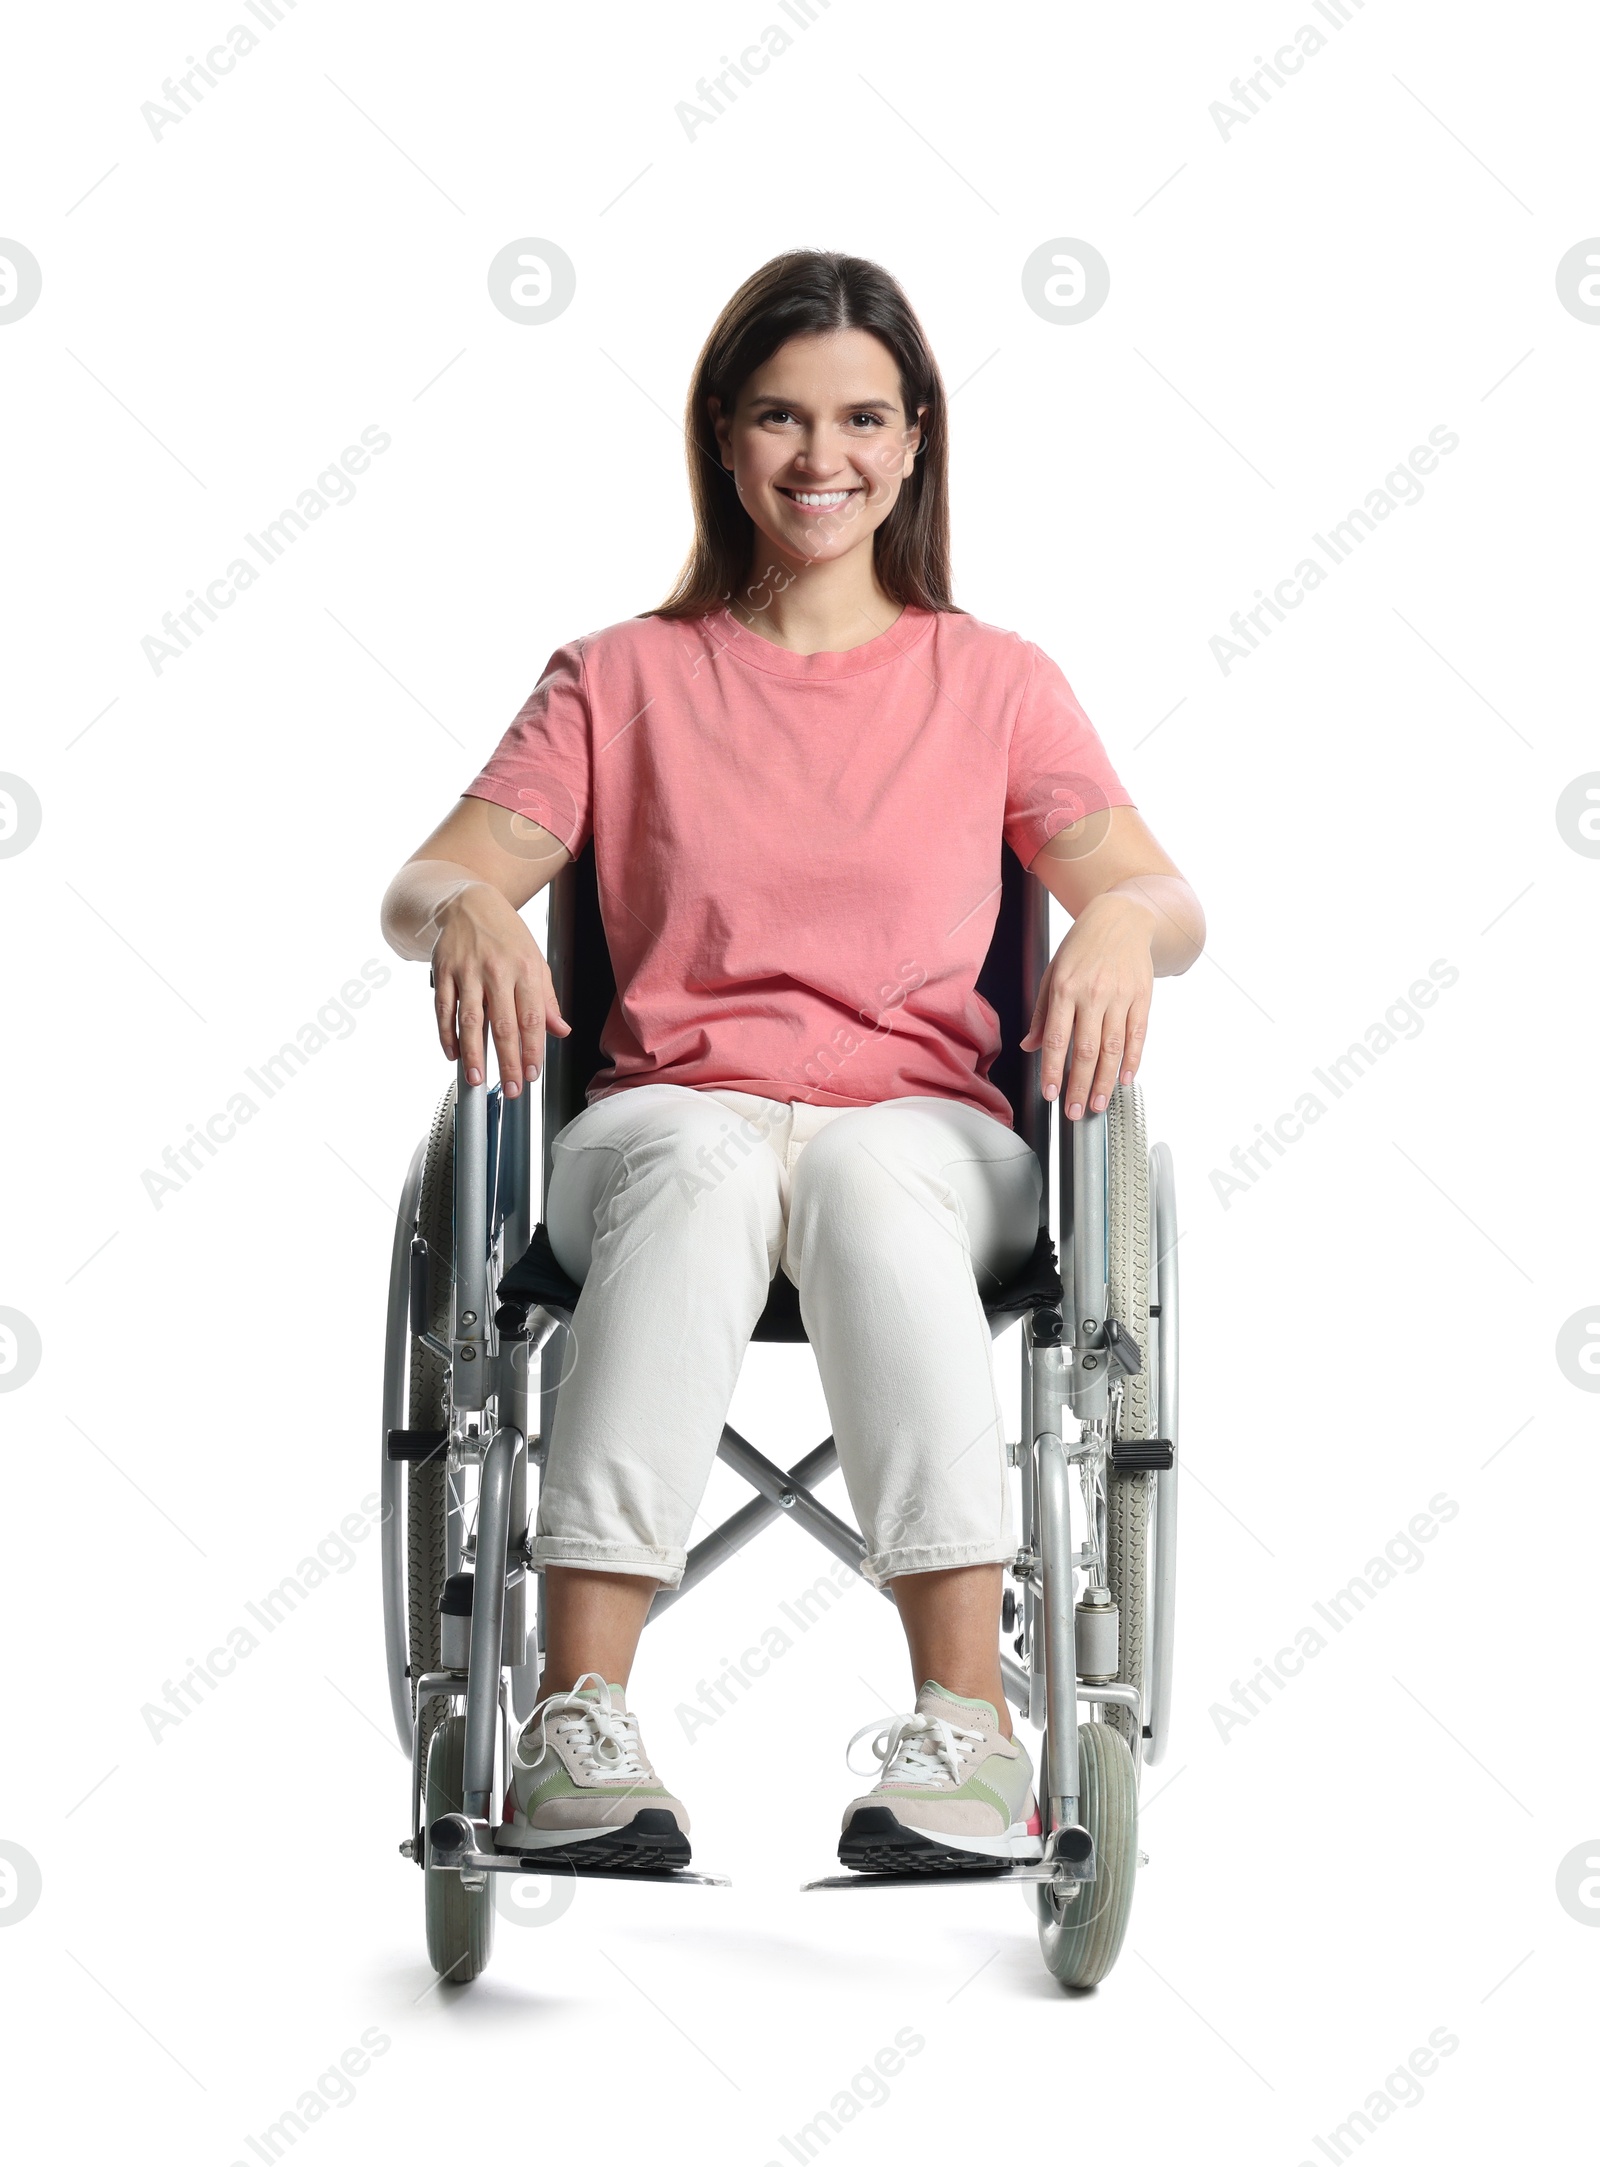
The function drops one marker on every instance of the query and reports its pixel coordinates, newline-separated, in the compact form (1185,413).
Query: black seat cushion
(536,1277)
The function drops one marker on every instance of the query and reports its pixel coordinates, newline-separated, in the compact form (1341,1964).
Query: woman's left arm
(1134,919)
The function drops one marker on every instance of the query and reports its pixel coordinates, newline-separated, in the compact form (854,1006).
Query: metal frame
(1066,1415)
(1164,1417)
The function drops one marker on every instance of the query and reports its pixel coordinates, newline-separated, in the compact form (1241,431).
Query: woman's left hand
(1095,995)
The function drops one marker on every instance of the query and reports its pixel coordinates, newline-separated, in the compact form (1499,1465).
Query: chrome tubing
(764,1475)
(1060,1653)
(496,1483)
(1030,1699)
(515,1203)
(1164,1568)
(468,1379)
(1085,1324)
(722,1543)
(1049,1392)
(515,1371)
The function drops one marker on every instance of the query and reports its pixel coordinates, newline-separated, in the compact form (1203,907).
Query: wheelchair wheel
(460,1921)
(1081,1938)
(427,1497)
(1128,1246)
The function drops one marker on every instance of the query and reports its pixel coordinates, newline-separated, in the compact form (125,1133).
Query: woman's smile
(818,500)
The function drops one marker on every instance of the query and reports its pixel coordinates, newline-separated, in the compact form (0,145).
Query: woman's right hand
(488,966)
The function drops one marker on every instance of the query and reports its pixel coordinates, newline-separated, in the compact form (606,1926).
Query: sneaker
(583,1793)
(954,1796)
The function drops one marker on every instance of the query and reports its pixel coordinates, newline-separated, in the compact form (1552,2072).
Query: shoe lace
(915,1749)
(603,1740)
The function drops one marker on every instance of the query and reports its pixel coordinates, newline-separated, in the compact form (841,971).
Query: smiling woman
(835,474)
(848,407)
(797,775)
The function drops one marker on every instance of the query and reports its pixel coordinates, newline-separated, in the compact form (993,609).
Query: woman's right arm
(455,902)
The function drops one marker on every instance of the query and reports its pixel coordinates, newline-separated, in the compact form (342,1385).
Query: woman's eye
(782,413)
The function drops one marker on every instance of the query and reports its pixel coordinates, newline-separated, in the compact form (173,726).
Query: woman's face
(818,444)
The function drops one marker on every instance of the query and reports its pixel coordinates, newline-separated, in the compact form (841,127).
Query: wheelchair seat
(585,987)
(536,1278)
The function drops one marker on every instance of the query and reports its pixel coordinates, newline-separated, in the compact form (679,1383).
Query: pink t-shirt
(798,856)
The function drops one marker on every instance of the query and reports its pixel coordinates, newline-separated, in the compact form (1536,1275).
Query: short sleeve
(542,767)
(1057,770)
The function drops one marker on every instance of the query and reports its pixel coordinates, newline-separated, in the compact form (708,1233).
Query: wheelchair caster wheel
(1081,1929)
(460,1920)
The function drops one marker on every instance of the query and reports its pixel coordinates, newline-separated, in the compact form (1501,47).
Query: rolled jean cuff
(610,1557)
(879,1566)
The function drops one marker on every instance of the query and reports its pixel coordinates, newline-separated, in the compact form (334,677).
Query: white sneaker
(583,1792)
(954,1796)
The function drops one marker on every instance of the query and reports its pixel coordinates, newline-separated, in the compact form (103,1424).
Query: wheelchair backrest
(586,987)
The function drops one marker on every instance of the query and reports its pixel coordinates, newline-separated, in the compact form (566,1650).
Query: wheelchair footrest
(984,1879)
(1132,1456)
(529,1862)
(460,1845)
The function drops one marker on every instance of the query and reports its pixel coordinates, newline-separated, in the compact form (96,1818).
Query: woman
(798,773)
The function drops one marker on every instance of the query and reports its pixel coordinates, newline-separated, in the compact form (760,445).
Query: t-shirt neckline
(733,638)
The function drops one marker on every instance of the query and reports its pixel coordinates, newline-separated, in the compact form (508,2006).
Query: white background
(1374,1322)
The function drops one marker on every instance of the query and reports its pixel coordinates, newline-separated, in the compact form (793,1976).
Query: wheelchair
(479,1313)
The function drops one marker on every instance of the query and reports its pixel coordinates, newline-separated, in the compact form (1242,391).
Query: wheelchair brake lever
(1124,1348)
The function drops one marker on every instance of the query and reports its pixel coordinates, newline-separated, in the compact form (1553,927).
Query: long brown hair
(802,291)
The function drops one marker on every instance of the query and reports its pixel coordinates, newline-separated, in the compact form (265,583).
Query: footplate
(1071,1860)
(461,1845)
(968,1878)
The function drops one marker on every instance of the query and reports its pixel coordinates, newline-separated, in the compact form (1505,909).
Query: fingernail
(473,1076)
(1098,1101)
(1075,1109)
(1050,1091)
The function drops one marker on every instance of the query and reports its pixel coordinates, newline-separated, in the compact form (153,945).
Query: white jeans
(673,1208)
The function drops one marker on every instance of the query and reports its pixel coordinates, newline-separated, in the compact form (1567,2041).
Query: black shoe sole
(877,1843)
(651,1843)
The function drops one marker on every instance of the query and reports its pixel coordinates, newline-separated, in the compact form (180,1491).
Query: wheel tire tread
(426,1480)
(1080,1951)
(460,1921)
